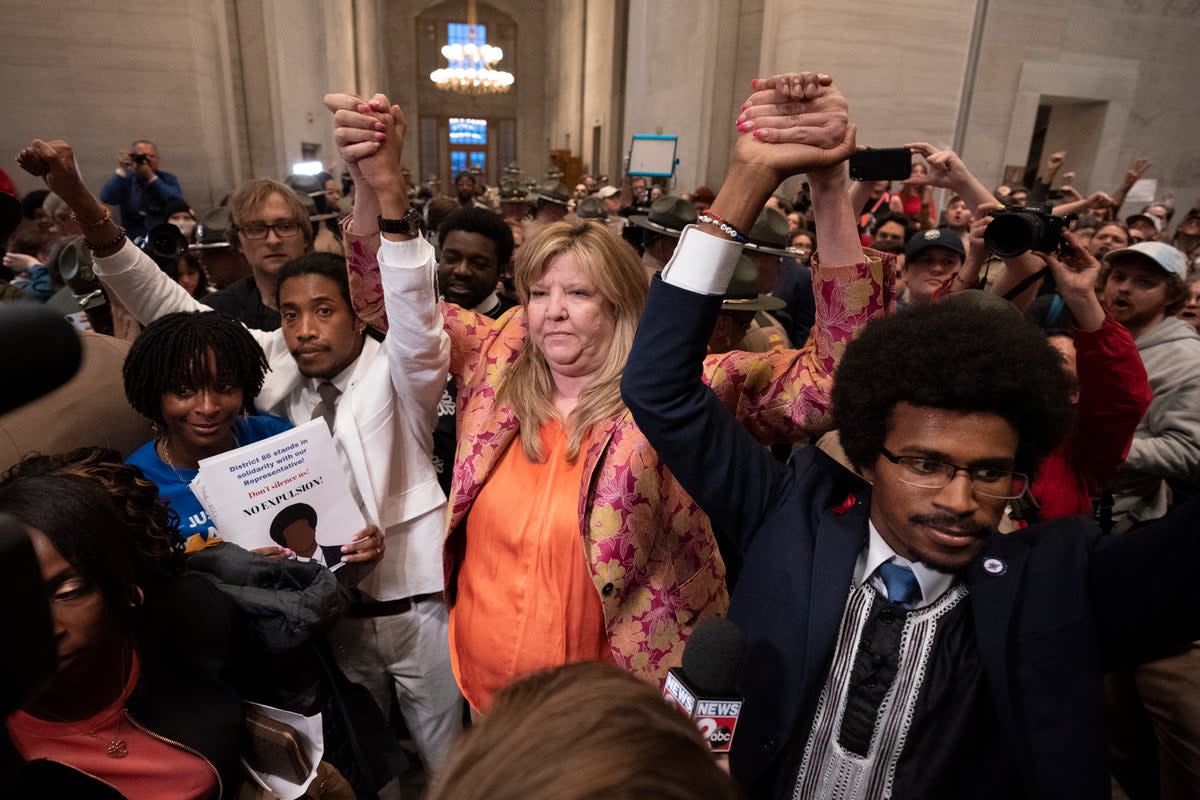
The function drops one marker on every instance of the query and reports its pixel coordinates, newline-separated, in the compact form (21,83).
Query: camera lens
(1014,232)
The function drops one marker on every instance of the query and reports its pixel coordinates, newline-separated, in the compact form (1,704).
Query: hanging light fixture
(471,65)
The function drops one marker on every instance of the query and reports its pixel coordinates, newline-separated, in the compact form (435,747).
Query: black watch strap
(410,224)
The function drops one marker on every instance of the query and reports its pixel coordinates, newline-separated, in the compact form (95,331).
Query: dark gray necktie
(327,408)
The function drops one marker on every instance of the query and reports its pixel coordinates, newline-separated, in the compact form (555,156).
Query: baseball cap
(1163,255)
(935,237)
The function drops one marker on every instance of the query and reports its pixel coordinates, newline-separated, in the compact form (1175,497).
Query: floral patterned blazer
(651,551)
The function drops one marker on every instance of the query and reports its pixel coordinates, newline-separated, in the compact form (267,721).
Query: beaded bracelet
(111,243)
(89,225)
(710,218)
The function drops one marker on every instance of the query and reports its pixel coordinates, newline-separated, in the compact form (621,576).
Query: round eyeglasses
(929,473)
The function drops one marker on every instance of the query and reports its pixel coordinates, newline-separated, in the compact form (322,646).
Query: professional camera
(165,244)
(1014,231)
(140,158)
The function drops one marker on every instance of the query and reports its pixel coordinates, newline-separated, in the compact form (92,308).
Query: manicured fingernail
(745,126)
(374,104)
(759,134)
(754,83)
(741,118)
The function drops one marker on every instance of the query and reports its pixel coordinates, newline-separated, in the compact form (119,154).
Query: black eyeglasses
(284,229)
(929,473)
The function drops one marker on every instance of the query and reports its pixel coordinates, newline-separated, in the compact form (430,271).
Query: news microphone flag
(703,688)
(715,717)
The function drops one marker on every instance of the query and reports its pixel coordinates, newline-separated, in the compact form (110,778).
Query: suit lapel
(841,536)
(994,580)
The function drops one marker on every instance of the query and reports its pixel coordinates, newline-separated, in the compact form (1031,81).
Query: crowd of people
(936,465)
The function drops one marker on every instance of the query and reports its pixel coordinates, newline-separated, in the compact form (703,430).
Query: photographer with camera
(140,189)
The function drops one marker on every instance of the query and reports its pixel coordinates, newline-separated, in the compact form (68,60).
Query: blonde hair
(254,193)
(582,731)
(613,267)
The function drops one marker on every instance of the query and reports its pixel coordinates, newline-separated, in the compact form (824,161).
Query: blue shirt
(142,204)
(173,483)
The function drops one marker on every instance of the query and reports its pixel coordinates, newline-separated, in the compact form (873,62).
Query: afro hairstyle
(969,357)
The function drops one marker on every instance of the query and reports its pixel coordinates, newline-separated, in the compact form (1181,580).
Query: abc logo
(713,732)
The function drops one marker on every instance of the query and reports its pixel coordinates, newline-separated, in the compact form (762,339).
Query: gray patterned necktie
(327,408)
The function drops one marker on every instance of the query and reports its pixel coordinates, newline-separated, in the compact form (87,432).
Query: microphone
(704,686)
(42,353)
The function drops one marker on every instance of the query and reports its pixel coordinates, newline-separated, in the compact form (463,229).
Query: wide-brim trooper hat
(743,294)
(769,234)
(669,215)
(212,229)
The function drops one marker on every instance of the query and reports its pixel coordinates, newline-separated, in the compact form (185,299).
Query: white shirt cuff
(410,253)
(702,263)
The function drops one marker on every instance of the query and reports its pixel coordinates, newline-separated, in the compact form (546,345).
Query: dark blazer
(1063,606)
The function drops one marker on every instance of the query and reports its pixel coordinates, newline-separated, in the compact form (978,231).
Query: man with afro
(896,644)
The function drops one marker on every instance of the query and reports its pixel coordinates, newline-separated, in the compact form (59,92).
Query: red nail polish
(760,133)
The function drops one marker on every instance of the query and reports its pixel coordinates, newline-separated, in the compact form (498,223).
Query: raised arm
(1113,390)
(417,347)
(716,460)
(947,171)
(360,130)
(1132,176)
(126,271)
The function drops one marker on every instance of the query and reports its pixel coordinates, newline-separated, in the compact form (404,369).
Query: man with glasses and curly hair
(270,228)
(896,644)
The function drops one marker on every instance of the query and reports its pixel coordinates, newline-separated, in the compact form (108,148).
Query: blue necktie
(901,583)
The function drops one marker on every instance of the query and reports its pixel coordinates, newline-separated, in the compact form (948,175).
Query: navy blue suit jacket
(1067,605)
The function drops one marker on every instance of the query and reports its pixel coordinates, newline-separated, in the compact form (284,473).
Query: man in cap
(667,218)
(223,264)
(1144,227)
(550,202)
(745,322)
(767,248)
(514,201)
(932,260)
(270,227)
(1143,287)
(591,207)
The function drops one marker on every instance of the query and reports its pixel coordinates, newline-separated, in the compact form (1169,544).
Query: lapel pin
(995,566)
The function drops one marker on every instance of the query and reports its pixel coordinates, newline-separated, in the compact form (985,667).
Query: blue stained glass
(460,33)
(479,160)
(458,161)
(468,131)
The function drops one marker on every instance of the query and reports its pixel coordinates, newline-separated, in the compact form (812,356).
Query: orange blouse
(149,768)
(526,600)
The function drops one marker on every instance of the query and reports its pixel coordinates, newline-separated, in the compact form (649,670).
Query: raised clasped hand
(369,135)
(794,123)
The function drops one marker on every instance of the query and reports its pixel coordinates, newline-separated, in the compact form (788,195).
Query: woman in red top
(135,702)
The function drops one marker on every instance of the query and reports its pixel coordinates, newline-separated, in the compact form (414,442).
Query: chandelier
(471,65)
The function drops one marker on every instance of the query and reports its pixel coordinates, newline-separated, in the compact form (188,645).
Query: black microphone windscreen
(41,352)
(713,657)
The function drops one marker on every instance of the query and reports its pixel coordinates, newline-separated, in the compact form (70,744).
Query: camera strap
(1020,288)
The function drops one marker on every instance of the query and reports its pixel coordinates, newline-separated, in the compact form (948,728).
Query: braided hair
(173,352)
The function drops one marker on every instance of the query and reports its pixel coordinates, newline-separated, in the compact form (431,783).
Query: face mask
(186,228)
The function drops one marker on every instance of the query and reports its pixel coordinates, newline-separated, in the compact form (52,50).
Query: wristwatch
(411,224)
